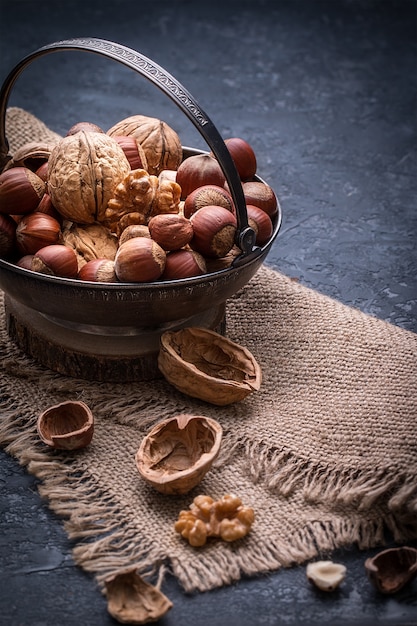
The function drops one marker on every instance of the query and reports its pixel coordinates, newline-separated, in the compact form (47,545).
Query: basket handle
(245,236)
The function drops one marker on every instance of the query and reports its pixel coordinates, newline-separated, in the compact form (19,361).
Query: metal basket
(132,308)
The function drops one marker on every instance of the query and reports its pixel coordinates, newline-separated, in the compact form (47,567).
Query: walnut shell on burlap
(133,600)
(89,242)
(178,452)
(160,142)
(203,364)
(83,172)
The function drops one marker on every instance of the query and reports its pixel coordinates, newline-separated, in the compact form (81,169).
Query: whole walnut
(83,172)
(161,144)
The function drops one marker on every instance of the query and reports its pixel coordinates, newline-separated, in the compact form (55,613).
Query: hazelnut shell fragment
(178,452)
(66,426)
(203,364)
(391,569)
(132,600)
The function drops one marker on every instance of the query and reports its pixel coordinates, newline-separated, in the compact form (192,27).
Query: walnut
(90,241)
(161,144)
(226,518)
(142,195)
(83,172)
(133,600)
(31,155)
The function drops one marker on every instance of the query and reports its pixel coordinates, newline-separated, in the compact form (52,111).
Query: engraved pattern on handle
(245,237)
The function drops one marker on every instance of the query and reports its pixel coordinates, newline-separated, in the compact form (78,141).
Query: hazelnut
(25,261)
(261,195)
(66,426)
(207,195)
(42,171)
(214,231)
(20,191)
(98,271)
(46,206)
(7,235)
(261,224)
(139,260)
(56,260)
(326,575)
(243,157)
(35,231)
(133,230)
(171,231)
(134,152)
(198,170)
(184,264)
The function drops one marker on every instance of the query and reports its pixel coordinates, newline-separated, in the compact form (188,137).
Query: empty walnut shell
(177,453)
(66,426)
(205,365)
(132,600)
(391,569)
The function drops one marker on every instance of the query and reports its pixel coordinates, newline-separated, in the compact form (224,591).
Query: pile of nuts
(125,206)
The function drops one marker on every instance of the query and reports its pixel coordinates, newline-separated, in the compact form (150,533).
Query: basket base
(104,354)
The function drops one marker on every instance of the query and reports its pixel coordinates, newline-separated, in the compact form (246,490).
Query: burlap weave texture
(324,452)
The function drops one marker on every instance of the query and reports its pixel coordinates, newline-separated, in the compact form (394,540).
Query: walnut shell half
(66,426)
(132,600)
(178,452)
(205,365)
(390,570)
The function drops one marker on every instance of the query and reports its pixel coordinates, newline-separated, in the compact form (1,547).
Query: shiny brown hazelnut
(7,235)
(66,426)
(198,170)
(56,260)
(139,260)
(98,271)
(207,195)
(184,264)
(134,152)
(261,195)
(171,231)
(243,157)
(261,224)
(20,191)
(134,230)
(214,231)
(35,231)
(46,206)
(25,261)
(42,171)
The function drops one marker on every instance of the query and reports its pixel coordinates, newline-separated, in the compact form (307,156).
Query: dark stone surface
(325,92)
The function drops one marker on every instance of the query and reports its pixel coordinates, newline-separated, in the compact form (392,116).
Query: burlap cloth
(325,452)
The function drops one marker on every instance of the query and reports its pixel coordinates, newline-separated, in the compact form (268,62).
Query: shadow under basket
(110,332)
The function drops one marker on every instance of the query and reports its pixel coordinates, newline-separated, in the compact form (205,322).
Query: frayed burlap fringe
(324,452)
